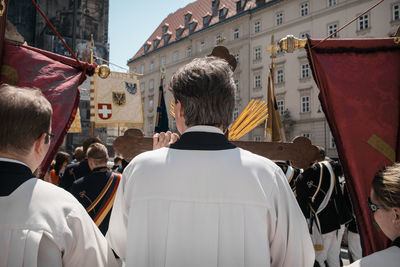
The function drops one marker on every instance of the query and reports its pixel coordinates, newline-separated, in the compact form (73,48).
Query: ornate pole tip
(291,43)
(103,71)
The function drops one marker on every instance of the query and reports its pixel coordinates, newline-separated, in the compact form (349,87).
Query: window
(175,56)
(363,22)
(222,13)
(305,71)
(332,143)
(142,68)
(150,128)
(166,38)
(305,104)
(396,12)
(151,85)
(151,104)
(163,61)
(236,57)
(280,76)
(202,46)
(134,69)
(257,138)
(206,20)
(280,50)
(331,29)
(257,53)
(151,66)
(279,18)
(192,26)
(237,91)
(332,3)
(188,51)
(235,113)
(303,35)
(281,106)
(257,81)
(235,34)
(257,26)
(304,9)
(218,39)
(142,86)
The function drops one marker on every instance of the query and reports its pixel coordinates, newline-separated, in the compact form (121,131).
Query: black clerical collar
(396,242)
(12,175)
(203,138)
(100,169)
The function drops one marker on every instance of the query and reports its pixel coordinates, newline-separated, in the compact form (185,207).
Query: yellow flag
(116,101)
(274,131)
(76,124)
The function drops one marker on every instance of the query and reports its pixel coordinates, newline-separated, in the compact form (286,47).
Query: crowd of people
(194,200)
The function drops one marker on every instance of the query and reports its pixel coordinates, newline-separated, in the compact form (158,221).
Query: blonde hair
(386,185)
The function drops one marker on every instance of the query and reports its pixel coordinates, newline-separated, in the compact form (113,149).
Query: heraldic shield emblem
(131,88)
(119,98)
(104,111)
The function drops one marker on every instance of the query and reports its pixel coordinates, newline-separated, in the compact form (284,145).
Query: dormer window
(260,2)
(147,46)
(223,12)
(206,20)
(179,32)
(240,5)
(156,42)
(192,26)
(165,28)
(167,36)
(188,16)
(214,7)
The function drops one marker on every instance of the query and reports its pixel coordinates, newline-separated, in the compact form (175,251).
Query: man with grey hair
(202,201)
(40,224)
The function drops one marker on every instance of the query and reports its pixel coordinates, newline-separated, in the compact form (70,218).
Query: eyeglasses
(373,207)
(49,137)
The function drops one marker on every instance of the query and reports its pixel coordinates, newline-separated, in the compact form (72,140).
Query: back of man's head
(97,153)
(205,88)
(79,155)
(25,115)
(88,142)
(322,153)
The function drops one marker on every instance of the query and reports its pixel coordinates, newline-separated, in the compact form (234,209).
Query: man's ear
(180,107)
(396,215)
(37,146)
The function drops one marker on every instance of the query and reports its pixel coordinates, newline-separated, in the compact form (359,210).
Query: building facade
(246,28)
(91,18)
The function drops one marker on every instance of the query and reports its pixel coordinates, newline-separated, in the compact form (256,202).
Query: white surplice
(43,225)
(228,207)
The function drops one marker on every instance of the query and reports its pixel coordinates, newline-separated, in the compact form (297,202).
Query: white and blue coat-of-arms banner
(121,94)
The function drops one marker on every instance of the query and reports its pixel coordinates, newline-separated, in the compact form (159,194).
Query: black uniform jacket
(88,188)
(73,172)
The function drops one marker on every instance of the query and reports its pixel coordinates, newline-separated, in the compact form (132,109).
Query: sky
(131,22)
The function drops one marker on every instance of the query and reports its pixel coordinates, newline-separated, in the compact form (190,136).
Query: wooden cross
(300,152)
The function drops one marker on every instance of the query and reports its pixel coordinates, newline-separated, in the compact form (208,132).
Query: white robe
(43,225)
(207,208)
(389,257)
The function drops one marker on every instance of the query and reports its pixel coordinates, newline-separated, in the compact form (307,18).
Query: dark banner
(359,82)
(57,76)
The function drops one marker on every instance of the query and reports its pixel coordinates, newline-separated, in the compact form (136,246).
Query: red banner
(359,82)
(57,76)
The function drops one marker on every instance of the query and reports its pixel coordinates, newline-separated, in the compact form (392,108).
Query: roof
(196,11)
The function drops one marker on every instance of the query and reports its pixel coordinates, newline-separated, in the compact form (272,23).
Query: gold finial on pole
(103,70)
(291,43)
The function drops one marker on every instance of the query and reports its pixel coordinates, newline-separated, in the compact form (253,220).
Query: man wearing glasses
(40,224)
